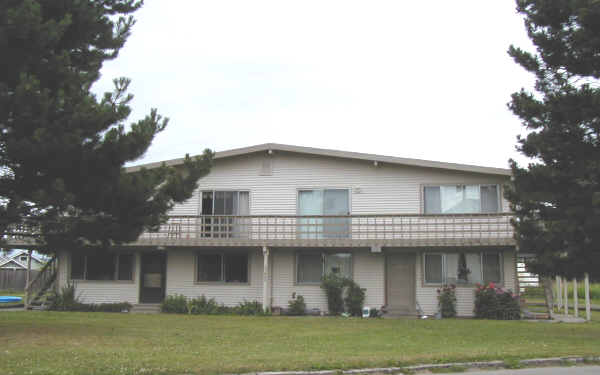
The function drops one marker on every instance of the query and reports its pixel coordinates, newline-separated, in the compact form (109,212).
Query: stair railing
(42,282)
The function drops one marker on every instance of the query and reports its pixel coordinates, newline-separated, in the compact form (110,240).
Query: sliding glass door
(324,202)
(217,206)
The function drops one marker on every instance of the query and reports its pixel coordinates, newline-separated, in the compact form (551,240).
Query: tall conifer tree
(62,149)
(556,198)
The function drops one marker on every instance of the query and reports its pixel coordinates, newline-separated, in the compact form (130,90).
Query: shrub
(250,308)
(65,299)
(334,287)
(174,304)
(355,298)
(111,307)
(492,302)
(203,305)
(447,301)
(180,304)
(297,306)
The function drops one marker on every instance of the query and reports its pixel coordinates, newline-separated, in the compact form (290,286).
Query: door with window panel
(221,211)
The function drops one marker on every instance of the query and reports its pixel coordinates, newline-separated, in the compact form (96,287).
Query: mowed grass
(113,343)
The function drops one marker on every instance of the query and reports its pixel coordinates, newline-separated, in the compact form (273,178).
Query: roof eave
(338,154)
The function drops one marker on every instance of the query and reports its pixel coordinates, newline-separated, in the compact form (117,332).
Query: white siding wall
(383,189)
(367,271)
(101,291)
(427,295)
(181,279)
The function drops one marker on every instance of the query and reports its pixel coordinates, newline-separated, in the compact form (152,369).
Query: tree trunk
(549,295)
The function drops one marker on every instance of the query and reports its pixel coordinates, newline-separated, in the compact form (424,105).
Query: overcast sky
(416,79)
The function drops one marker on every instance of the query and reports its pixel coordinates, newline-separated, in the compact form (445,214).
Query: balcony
(335,231)
(328,231)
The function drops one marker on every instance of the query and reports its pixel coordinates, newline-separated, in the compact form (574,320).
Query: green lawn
(10,292)
(113,343)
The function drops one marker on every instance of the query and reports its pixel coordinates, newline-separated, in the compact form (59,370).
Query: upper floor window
(102,266)
(461,199)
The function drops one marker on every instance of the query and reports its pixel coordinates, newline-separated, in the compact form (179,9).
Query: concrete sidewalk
(578,370)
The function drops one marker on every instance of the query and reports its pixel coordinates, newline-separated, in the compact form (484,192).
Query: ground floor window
(102,266)
(462,267)
(312,266)
(222,267)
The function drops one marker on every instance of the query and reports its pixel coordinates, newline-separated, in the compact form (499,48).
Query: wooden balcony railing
(341,230)
(350,230)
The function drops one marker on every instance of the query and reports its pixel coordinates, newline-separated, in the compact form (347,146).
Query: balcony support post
(266,293)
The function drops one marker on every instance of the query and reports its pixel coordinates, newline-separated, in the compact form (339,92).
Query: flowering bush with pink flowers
(493,302)
(447,301)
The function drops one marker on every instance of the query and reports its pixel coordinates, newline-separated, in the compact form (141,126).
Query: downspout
(266,300)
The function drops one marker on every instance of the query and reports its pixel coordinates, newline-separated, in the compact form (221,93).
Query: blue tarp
(9,299)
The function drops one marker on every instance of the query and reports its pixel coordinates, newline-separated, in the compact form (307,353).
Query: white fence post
(566,297)
(559,303)
(575,298)
(588,307)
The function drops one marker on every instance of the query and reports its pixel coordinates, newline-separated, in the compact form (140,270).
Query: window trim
(322,253)
(424,282)
(498,195)
(116,273)
(222,254)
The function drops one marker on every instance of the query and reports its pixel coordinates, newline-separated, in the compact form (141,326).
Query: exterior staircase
(41,288)
(145,308)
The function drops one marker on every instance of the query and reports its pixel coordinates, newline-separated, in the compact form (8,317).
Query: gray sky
(416,79)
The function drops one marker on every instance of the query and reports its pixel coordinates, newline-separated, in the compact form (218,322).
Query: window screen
(101,267)
(434,268)
(461,199)
(209,267)
(125,267)
(491,267)
(489,199)
(339,264)
(236,268)
(310,268)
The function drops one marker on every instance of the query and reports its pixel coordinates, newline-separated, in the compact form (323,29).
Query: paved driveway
(578,370)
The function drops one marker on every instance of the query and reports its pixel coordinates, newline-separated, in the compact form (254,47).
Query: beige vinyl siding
(382,189)
(284,283)
(100,291)
(367,271)
(181,275)
(465,296)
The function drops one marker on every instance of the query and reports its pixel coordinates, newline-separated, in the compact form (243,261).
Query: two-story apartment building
(269,221)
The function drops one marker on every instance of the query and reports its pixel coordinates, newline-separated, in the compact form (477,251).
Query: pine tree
(556,198)
(62,149)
